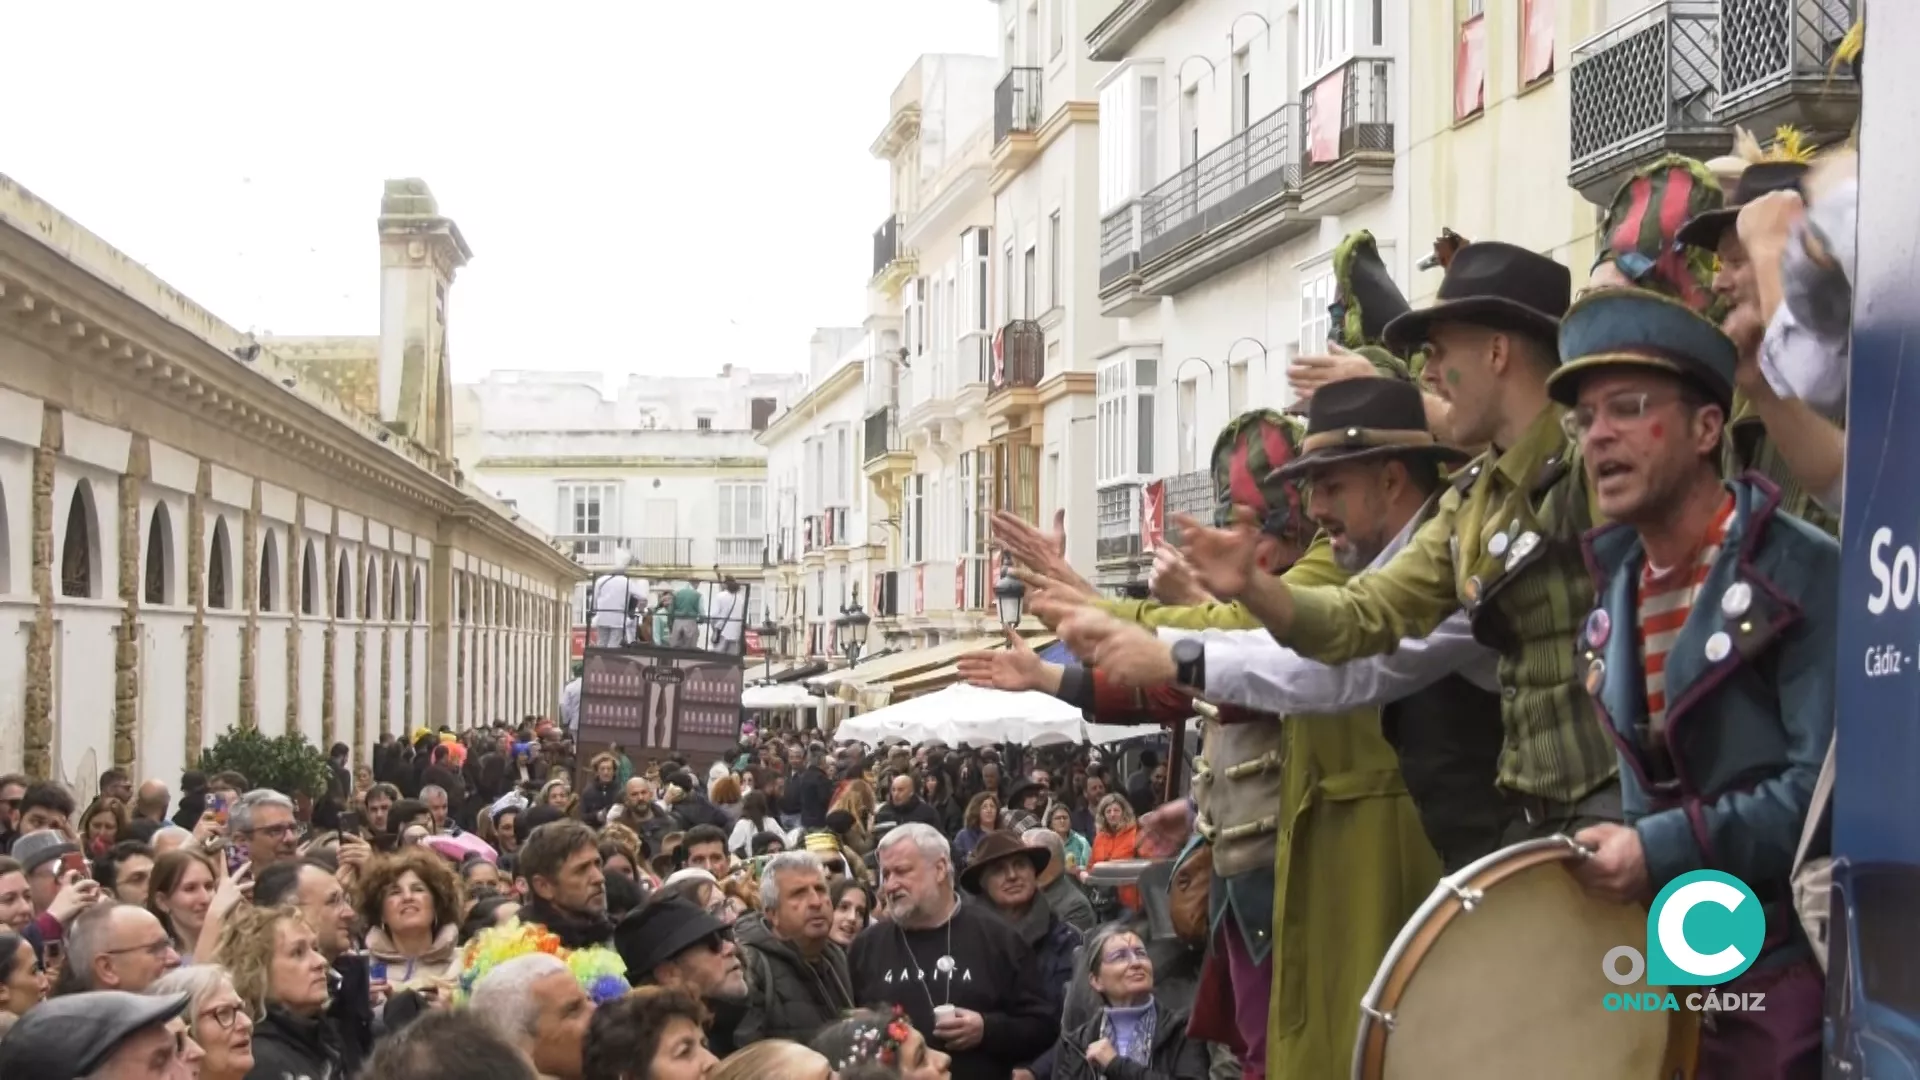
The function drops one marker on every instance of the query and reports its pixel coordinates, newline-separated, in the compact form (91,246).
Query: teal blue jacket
(1750,693)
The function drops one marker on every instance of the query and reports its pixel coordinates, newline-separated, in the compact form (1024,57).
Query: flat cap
(68,1037)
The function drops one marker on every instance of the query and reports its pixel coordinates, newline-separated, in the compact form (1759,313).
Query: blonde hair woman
(281,976)
(773,1059)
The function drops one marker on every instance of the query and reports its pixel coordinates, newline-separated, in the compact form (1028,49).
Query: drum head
(1512,986)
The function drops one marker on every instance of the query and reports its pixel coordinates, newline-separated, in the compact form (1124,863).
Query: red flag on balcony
(1153,515)
(920,590)
(1470,69)
(960,585)
(1536,44)
(1323,131)
(1000,355)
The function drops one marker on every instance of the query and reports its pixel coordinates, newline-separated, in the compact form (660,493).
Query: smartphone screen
(218,804)
(350,822)
(73,863)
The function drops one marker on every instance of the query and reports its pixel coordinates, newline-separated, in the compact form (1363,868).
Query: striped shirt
(1666,599)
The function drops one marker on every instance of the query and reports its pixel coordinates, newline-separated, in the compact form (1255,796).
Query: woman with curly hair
(981,818)
(411,902)
(280,974)
(650,1034)
(859,801)
(103,825)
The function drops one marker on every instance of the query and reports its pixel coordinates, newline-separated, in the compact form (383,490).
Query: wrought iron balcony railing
(1232,179)
(883,433)
(1119,244)
(1188,493)
(1016,103)
(1362,92)
(1117,522)
(1766,45)
(1645,82)
(1021,355)
(886,243)
(740,550)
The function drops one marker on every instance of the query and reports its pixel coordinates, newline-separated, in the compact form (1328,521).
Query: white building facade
(1239,144)
(822,549)
(198,533)
(927,451)
(665,468)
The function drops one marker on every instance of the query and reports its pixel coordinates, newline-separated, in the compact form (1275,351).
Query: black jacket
(288,1047)
(788,998)
(918,810)
(1174,1056)
(574,931)
(695,810)
(815,795)
(993,974)
(595,800)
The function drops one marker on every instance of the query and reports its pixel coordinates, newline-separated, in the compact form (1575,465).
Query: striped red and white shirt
(1666,598)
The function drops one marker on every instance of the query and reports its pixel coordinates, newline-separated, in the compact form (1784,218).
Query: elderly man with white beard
(964,976)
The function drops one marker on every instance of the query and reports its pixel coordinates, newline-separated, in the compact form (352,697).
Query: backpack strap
(1817,808)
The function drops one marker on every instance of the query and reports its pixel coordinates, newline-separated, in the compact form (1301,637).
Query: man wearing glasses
(671,942)
(263,828)
(114,946)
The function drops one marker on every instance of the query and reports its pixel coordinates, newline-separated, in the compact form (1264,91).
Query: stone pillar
(38,713)
(462,686)
(296,605)
(197,596)
(126,654)
(440,640)
(386,653)
(250,597)
(329,707)
(360,654)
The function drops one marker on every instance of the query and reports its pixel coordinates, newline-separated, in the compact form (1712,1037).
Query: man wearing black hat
(1373,470)
(671,942)
(1750,442)
(1503,543)
(1005,873)
(102,1035)
(1717,612)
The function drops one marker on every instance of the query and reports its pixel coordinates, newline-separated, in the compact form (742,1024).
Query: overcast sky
(647,186)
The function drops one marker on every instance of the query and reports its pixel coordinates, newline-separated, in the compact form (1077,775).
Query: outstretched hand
(1016,667)
(1223,560)
(1042,552)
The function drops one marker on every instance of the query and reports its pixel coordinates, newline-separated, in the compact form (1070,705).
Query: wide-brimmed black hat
(1495,285)
(1633,328)
(658,931)
(1760,178)
(998,847)
(1364,419)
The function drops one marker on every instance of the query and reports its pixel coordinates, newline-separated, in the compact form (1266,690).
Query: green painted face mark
(1453,376)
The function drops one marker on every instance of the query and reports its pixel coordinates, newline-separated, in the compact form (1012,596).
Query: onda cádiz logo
(1704,929)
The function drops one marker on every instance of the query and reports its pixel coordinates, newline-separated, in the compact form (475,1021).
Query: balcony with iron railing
(886,243)
(1117,538)
(1642,89)
(886,594)
(882,436)
(1119,245)
(1016,104)
(1189,493)
(1238,200)
(1776,66)
(1020,357)
(1347,138)
(599,549)
(740,551)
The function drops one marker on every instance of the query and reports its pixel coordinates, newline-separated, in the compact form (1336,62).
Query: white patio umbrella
(970,714)
(778,696)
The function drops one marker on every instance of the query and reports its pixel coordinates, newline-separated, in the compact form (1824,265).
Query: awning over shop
(926,682)
(875,685)
(963,715)
(797,670)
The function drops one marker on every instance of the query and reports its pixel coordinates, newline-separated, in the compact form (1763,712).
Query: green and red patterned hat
(1365,299)
(1640,232)
(1246,461)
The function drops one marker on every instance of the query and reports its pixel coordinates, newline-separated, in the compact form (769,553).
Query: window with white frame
(1123,404)
(1056,257)
(842,465)
(742,510)
(1242,92)
(1006,283)
(913,527)
(912,309)
(1148,101)
(1236,387)
(978,245)
(1325,36)
(1189,126)
(1186,422)
(1316,322)
(1130,149)
(589,509)
(1030,283)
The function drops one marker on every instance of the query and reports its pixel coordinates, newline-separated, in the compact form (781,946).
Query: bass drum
(1498,977)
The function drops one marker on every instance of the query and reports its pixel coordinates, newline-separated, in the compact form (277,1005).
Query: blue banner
(1873,979)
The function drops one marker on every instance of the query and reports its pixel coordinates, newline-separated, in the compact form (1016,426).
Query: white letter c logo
(1673,936)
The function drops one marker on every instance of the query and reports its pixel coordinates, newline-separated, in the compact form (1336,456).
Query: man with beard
(567,892)
(1005,872)
(961,973)
(1717,611)
(812,789)
(903,806)
(669,942)
(644,816)
(797,975)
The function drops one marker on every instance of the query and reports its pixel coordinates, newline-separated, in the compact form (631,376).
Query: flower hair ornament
(600,971)
(868,1037)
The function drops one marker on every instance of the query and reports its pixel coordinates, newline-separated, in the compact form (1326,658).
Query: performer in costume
(1716,618)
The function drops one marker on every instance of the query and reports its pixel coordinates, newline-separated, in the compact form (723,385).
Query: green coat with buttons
(1351,861)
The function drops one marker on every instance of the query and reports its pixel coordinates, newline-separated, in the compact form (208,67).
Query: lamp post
(1009,594)
(769,635)
(852,625)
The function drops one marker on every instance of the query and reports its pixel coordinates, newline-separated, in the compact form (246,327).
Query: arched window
(370,599)
(159,587)
(343,588)
(460,594)
(218,565)
(269,571)
(393,591)
(80,548)
(413,595)
(309,582)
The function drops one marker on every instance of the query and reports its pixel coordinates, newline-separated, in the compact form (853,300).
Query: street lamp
(1009,594)
(769,635)
(853,639)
